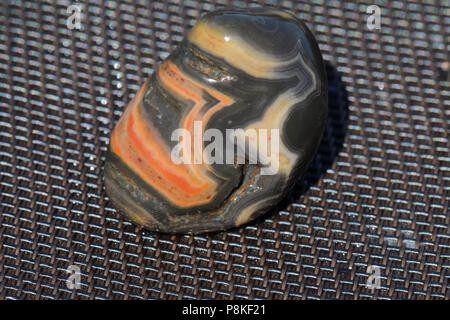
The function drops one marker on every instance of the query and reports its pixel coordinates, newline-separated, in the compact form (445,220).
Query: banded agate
(235,69)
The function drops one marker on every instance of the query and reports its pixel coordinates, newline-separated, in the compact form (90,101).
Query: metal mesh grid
(377,193)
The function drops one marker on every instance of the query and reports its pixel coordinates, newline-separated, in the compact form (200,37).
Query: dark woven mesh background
(376,195)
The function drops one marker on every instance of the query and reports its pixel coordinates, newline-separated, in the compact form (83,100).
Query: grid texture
(375,198)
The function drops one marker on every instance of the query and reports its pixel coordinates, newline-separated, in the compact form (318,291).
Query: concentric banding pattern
(258,70)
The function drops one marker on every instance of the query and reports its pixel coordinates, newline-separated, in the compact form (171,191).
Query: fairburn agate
(258,69)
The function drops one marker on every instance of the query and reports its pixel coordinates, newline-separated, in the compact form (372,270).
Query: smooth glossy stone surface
(235,69)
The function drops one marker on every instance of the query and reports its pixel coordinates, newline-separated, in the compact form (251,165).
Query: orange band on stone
(141,148)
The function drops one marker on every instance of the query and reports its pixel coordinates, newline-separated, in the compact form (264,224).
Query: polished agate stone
(235,69)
